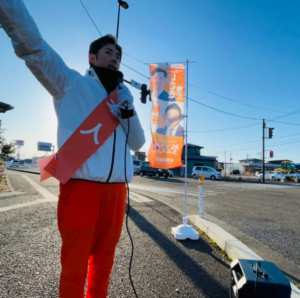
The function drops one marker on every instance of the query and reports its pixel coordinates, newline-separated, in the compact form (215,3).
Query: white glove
(125,96)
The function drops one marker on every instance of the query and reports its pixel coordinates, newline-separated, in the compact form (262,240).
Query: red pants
(90,218)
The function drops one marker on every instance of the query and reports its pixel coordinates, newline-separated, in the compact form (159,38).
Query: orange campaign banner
(86,140)
(167,128)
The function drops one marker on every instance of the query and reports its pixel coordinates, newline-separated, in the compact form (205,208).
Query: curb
(234,248)
(8,183)
(25,171)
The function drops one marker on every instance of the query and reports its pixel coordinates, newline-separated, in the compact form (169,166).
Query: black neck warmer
(108,77)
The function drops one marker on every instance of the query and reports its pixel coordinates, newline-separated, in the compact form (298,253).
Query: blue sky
(247,51)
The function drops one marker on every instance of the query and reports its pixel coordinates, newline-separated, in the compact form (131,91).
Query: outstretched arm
(46,65)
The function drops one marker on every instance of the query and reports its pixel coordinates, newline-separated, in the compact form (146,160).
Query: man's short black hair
(154,71)
(99,43)
(174,106)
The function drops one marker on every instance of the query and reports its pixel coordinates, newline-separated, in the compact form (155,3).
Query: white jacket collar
(91,73)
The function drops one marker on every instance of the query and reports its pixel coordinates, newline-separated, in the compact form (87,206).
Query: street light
(125,6)
(4,107)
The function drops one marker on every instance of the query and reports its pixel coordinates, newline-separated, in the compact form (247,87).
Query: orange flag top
(84,142)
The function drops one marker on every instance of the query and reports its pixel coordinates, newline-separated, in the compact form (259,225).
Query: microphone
(120,80)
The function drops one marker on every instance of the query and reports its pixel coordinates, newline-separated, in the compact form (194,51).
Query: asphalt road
(30,249)
(266,217)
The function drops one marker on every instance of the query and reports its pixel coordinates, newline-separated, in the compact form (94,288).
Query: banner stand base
(185,231)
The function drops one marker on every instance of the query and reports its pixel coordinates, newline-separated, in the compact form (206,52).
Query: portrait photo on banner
(167,95)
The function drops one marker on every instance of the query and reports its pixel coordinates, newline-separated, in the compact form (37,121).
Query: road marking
(48,196)
(25,204)
(152,189)
(44,192)
(174,190)
(139,198)
(13,193)
(255,186)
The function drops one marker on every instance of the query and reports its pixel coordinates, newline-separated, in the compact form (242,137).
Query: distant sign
(19,143)
(44,146)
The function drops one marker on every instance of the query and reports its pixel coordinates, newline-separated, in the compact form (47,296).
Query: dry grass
(3,183)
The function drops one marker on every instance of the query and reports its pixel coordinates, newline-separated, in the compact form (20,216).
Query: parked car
(258,173)
(210,173)
(146,170)
(271,175)
(170,173)
(136,166)
(15,163)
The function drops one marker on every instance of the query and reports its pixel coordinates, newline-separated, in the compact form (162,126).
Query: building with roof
(251,165)
(250,160)
(194,158)
(141,155)
(279,161)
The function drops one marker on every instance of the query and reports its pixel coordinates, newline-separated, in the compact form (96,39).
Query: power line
(244,117)
(134,58)
(234,115)
(209,92)
(253,141)
(275,145)
(234,144)
(294,134)
(243,126)
(123,52)
(90,17)
(225,129)
(135,71)
(282,122)
(239,116)
(245,104)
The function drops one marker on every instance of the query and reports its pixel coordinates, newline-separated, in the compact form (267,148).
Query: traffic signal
(271,133)
(271,153)
(144,93)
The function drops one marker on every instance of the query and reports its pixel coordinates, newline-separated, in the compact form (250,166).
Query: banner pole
(186,143)
(185,231)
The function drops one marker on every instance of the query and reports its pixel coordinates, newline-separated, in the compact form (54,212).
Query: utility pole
(263,153)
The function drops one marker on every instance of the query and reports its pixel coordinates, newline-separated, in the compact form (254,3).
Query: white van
(209,173)
(136,166)
(270,175)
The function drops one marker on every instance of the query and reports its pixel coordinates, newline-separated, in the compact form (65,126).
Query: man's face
(108,56)
(173,116)
(159,80)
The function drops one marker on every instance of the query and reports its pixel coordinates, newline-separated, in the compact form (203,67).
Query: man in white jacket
(92,204)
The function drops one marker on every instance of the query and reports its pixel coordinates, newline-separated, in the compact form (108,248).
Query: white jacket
(75,97)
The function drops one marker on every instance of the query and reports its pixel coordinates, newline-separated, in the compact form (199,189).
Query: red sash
(84,142)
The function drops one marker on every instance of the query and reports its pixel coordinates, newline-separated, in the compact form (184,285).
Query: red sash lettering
(83,143)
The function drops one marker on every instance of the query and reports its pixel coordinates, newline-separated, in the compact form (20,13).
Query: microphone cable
(128,204)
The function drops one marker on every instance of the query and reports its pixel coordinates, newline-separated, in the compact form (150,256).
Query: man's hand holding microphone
(125,97)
